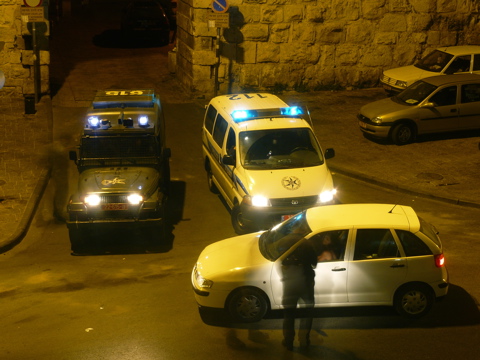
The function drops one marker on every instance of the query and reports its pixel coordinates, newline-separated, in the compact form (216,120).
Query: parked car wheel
(237,221)
(247,305)
(402,134)
(414,300)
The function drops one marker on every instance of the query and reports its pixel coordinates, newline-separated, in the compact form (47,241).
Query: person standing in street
(298,276)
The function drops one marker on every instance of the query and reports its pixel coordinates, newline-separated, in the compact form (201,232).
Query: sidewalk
(444,168)
(24,166)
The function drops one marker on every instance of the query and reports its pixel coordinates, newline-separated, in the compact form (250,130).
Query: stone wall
(16,52)
(314,44)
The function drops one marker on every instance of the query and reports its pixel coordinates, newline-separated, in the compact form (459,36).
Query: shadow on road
(458,308)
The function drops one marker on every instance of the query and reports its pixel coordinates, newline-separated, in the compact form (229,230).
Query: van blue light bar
(244,115)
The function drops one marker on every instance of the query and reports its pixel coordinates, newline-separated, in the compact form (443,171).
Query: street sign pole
(219,19)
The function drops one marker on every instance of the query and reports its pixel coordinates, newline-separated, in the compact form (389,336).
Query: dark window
(446,96)
(219,130)
(412,244)
(476,62)
(460,64)
(375,244)
(470,93)
(210,118)
(231,144)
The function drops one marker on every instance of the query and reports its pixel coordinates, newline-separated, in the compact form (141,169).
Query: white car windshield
(274,242)
(435,61)
(279,148)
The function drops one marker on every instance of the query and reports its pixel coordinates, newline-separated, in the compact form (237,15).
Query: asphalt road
(133,302)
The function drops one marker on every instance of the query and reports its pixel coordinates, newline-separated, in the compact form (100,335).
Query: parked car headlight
(377,120)
(401,83)
(327,196)
(257,200)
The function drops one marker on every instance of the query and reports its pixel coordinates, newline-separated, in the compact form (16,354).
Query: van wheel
(211,185)
(402,134)
(413,300)
(238,222)
(247,305)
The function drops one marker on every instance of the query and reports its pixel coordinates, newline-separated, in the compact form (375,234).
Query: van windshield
(279,149)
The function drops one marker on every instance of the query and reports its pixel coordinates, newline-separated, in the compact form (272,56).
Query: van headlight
(327,196)
(257,201)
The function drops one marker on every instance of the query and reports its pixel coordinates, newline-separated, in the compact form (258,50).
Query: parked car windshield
(276,241)
(415,93)
(435,61)
(279,149)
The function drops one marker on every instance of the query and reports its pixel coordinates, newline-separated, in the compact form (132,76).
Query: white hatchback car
(442,61)
(382,254)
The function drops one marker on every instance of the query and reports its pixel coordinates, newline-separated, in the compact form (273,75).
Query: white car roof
(367,216)
(461,50)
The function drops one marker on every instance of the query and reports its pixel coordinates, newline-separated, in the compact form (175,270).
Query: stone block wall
(16,53)
(314,44)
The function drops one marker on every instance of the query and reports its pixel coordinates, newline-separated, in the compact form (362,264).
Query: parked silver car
(442,61)
(432,105)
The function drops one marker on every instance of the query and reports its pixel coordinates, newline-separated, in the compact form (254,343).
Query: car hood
(286,183)
(119,180)
(231,255)
(382,108)
(410,74)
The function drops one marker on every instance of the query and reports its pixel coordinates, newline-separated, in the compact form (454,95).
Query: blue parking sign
(219,6)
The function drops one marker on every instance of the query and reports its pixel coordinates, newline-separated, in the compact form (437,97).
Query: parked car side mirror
(428,105)
(329,153)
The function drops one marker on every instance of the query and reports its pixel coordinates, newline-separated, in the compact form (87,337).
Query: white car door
(332,270)
(377,267)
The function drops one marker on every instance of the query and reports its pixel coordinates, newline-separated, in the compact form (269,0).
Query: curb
(28,214)
(404,189)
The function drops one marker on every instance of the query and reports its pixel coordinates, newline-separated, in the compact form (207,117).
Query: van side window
(412,245)
(219,130)
(210,118)
(231,146)
(375,244)
(470,93)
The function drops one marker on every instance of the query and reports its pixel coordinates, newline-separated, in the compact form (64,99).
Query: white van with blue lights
(264,159)
(123,166)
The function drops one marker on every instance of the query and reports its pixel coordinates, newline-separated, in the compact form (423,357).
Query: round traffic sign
(32,3)
(220,6)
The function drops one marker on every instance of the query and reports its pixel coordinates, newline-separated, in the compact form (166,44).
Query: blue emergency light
(243,115)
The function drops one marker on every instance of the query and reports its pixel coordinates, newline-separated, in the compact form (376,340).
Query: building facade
(313,44)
